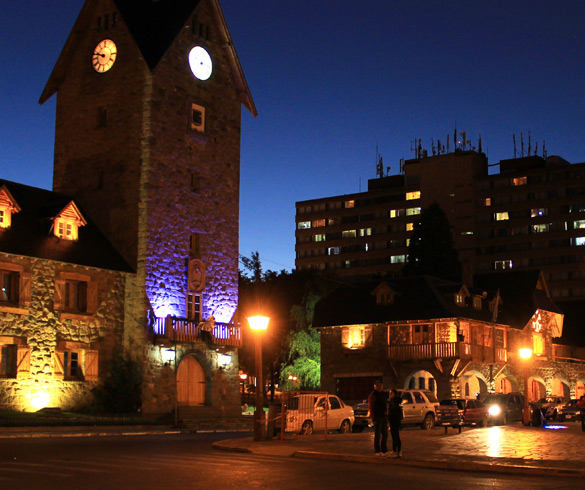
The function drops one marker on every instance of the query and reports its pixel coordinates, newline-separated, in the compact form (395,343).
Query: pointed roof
(7,200)
(154,24)
(30,234)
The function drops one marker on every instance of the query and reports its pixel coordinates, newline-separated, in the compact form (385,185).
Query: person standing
(395,416)
(378,412)
(581,405)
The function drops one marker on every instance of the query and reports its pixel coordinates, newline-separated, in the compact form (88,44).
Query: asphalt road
(186,461)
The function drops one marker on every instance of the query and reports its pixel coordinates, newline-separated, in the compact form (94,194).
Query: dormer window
(8,207)
(460,299)
(66,224)
(477,302)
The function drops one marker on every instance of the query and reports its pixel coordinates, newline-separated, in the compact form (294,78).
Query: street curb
(445,465)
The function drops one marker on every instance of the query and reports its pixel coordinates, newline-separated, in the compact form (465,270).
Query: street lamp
(259,323)
(526,354)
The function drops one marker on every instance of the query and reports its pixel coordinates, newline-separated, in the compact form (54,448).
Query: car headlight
(495,410)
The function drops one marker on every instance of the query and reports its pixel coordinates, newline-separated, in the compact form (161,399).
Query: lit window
(477,302)
(519,181)
(318,222)
(538,344)
(356,337)
(535,212)
(460,299)
(412,211)
(333,251)
(578,224)
(8,206)
(348,234)
(409,226)
(501,216)
(349,204)
(2,219)
(197,117)
(486,201)
(66,224)
(578,241)
(503,264)
(366,232)
(540,228)
(412,195)
(397,259)
(304,225)
(393,213)
(320,238)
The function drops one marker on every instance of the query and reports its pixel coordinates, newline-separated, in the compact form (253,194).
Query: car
(310,412)
(418,406)
(550,405)
(505,407)
(569,411)
(472,412)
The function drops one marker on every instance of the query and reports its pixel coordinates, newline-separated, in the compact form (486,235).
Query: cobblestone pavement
(512,448)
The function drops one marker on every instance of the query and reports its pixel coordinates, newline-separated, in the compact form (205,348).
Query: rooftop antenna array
(380,166)
(530,151)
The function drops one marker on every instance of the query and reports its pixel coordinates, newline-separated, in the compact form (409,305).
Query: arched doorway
(422,380)
(190,383)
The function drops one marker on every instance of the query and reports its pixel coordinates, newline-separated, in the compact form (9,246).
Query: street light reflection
(494,442)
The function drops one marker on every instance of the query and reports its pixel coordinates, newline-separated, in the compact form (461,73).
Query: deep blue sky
(333,80)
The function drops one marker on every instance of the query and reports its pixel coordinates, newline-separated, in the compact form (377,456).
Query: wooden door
(190,383)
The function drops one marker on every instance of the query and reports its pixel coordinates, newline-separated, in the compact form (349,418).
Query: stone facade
(40,331)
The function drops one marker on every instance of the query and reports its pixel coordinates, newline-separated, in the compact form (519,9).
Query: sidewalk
(507,449)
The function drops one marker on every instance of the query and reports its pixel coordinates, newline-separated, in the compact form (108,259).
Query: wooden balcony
(186,330)
(446,350)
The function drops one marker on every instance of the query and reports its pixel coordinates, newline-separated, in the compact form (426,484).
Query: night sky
(335,80)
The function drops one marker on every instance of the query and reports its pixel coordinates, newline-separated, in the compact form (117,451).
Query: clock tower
(147,140)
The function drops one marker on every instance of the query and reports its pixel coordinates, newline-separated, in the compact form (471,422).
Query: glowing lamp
(224,360)
(525,353)
(258,322)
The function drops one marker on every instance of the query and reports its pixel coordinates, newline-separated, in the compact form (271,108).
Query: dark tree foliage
(121,390)
(288,298)
(431,250)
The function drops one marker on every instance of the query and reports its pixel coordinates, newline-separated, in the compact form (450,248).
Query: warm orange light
(258,322)
(525,353)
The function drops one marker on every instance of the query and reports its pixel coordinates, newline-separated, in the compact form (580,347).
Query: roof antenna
(514,139)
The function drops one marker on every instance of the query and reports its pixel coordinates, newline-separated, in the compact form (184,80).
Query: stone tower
(147,140)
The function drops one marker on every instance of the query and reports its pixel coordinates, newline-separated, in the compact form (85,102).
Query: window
(460,299)
(195,181)
(197,118)
(366,232)
(409,226)
(320,238)
(356,337)
(540,228)
(535,212)
(420,334)
(75,293)
(304,225)
(66,224)
(578,241)
(74,361)
(501,216)
(519,181)
(503,264)
(477,302)
(65,230)
(538,344)
(487,201)
(348,234)
(3,218)
(412,195)
(194,307)
(8,361)
(9,285)
(318,222)
(195,245)
(577,225)
(397,259)
(333,251)
(412,211)
(349,204)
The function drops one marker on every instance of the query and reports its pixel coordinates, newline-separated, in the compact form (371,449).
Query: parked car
(307,413)
(569,411)
(550,405)
(472,412)
(418,406)
(505,407)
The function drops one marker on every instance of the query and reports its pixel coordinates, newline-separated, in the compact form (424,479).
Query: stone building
(456,340)
(147,143)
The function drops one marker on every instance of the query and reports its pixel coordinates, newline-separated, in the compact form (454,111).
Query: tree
(431,250)
(302,369)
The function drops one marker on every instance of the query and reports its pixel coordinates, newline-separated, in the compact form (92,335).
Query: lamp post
(526,354)
(259,324)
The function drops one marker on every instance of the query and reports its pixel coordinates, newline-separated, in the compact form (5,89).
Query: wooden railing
(445,350)
(186,330)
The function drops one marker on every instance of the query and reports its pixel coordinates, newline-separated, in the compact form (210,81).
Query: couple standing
(385,408)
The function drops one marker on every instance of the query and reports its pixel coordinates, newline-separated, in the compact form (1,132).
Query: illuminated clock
(200,63)
(104,55)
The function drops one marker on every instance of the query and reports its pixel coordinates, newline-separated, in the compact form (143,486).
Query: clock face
(200,63)
(104,55)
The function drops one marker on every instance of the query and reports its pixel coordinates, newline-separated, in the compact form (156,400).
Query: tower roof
(154,24)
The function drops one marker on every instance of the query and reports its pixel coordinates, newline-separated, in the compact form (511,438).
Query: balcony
(446,350)
(186,330)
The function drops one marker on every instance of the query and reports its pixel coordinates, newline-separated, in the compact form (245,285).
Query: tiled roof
(30,234)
